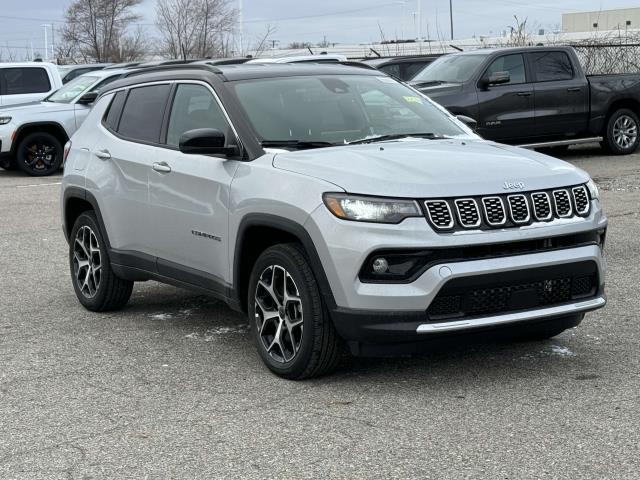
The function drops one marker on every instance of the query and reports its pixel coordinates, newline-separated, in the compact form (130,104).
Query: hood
(36,107)
(419,168)
(437,90)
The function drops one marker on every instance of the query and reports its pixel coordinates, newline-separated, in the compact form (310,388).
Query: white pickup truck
(27,81)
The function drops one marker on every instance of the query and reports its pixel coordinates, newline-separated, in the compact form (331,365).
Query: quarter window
(514,64)
(24,80)
(115,109)
(552,66)
(194,107)
(143,113)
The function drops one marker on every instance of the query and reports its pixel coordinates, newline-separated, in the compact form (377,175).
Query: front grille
(439,213)
(468,213)
(519,208)
(493,294)
(562,203)
(507,210)
(494,211)
(581,199)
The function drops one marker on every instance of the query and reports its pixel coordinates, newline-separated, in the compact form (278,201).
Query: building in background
(618,19)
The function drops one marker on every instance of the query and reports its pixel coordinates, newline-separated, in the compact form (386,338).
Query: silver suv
(331,204)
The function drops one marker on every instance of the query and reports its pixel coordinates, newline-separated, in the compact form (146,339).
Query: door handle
(574,89)
(102,154)
(524,94)
(162,167)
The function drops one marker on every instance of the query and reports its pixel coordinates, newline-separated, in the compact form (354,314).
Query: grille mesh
(468,212)
(581,199)
(562,203)
(519,208)
(541,206)
(439,213)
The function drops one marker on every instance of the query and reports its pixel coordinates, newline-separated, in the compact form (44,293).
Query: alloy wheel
(625,131)
(40,156)
(278,314)
(87,261)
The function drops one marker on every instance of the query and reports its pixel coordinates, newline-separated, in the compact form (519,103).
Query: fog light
(380,265)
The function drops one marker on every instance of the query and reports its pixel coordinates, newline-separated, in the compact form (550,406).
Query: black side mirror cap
(468,121)
(205,141)
(88,98)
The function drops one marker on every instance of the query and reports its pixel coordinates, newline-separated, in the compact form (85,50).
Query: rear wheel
(39,154)
(294,335)
(622,136)
(97,287)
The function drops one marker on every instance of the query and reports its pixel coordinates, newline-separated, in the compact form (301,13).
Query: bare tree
(195,28)
(262,42)
(96,29)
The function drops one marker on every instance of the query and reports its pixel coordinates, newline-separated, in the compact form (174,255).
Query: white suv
(27,81)
(32,135)
(332,205)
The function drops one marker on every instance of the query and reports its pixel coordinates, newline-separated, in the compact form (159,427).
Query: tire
(7,164)
(39,154)
(622,134)
(548,329)
(294,334)
(101,292)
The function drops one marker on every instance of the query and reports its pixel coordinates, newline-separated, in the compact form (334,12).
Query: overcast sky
(342,21)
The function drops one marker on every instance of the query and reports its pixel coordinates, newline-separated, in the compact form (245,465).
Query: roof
(378,61)
(489,51)
(232,73)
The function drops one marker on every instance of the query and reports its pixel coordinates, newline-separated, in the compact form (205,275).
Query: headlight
(4,120)
(370,209)
(593,189)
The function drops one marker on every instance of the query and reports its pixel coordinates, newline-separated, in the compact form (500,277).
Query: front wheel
(294,335)
(39,154)
(621,136)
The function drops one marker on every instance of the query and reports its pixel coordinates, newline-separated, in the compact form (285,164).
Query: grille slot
(468,213)
(581,200)
(562,203)
(541,206)
(519,209)
(494,211)
(439,214)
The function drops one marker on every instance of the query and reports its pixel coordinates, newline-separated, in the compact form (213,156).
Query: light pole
(46,43)
(451,16)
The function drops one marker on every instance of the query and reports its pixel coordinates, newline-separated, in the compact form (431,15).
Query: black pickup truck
(537,97)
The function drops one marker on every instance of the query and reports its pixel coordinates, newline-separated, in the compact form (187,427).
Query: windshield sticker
(411,99)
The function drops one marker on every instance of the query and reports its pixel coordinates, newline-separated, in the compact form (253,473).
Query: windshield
(450,69)
(335,109)
(71,90)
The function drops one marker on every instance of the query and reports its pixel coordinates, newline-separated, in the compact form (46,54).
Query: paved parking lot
(171,387)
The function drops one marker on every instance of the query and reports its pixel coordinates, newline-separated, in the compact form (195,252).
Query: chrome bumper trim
(560,310)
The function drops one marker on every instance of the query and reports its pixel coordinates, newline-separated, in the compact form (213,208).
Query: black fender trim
(82,194)
(21,128)
(289,226)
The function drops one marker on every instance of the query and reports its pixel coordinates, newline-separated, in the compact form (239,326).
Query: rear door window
(143,113)
(551,66)
(23,80)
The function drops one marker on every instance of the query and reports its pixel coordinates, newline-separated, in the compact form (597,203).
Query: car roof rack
(164,68)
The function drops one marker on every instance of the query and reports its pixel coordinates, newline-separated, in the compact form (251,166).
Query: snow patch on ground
(162,316)
(561,351)
(212,333)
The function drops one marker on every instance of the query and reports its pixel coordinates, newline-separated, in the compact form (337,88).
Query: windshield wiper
(299,144)
(397,136)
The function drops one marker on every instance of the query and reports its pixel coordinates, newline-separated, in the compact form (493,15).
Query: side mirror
(468,121)
(498,78)
(88,98)
(205,141)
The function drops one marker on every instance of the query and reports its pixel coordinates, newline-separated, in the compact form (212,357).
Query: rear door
(189,193)
(561,95)
(506,111)
(23,84)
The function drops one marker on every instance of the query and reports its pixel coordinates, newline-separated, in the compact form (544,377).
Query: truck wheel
(39,154)
(622,136)
(295,337)
(96,286)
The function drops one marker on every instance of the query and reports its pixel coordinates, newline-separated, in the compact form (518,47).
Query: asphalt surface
(171,387)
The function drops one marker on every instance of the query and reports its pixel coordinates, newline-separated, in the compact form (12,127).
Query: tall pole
(241,26)
(46,46)
(53,52)
(451,16)
(420,26)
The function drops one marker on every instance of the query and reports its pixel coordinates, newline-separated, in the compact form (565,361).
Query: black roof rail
(164,68)
(355,63)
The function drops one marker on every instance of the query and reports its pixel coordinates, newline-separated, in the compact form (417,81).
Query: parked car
(332,205)
(69,72)
(403,68)
(27,81)
(32,135)
(536,96)
(322,58)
